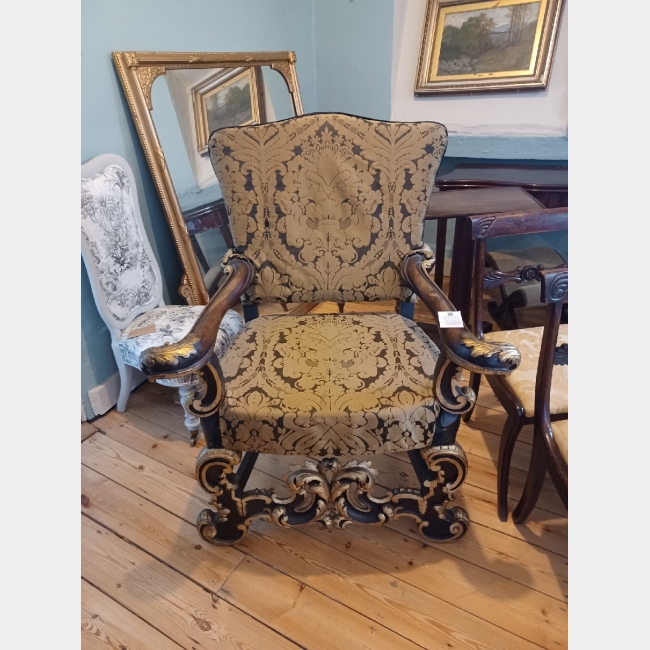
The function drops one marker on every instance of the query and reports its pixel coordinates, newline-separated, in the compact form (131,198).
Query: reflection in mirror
(187,106)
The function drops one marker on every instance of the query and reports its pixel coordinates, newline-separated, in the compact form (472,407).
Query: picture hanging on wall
(228,98)
(487,46)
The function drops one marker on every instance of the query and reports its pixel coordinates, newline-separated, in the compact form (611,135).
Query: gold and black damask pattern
(327,205)
(329,384)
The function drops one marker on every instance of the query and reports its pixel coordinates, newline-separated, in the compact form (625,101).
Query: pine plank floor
(150,582)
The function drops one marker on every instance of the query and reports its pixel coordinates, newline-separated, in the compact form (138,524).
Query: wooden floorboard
(149,581)
(179,608)
(106,625)
(87,430)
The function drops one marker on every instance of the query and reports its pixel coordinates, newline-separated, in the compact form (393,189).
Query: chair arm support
(460,345)
(555,284)
(194,351)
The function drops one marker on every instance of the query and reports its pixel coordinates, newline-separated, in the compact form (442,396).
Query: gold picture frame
(471,46)
(206,94)
(137,72)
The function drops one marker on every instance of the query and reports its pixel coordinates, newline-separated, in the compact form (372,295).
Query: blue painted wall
(107,127)
(354,56)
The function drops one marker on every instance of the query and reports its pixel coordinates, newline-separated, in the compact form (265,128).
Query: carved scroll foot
(333,494)
(446,468)
(229,522)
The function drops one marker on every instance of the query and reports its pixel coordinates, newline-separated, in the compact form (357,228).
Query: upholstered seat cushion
(561,436)
(329,384)
(172,324)
(522,380)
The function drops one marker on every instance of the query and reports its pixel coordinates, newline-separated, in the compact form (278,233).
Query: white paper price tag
(450,319)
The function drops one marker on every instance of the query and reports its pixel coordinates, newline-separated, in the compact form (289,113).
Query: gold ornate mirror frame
(137,72)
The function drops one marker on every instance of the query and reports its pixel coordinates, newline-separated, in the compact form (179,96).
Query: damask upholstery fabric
(327,205)
(126,272)
(561,436)
(523,379)
(329,384)
(172,324)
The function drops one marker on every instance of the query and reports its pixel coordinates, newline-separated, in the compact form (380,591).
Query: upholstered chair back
(123,272)
(327,205)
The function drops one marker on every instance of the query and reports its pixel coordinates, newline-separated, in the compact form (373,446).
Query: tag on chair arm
(450,319)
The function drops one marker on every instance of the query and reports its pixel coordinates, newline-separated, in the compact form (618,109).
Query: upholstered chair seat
(330,384)
(172,323)
(522,381)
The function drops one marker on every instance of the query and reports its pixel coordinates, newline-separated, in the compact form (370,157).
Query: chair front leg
(511,431)
(192,423)
(187,386)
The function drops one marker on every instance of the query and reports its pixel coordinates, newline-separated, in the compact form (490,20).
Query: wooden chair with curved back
(516,391)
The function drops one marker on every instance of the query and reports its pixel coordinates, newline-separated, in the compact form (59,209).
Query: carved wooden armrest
(460,346)
(195,350)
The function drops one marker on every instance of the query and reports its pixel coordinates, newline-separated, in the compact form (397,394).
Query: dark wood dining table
(459,205)
(549,184)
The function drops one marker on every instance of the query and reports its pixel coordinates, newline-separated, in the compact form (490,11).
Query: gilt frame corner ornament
(137,72)
(459,74)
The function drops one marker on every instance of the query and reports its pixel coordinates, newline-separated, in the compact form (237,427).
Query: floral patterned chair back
(327,205)
(124,275)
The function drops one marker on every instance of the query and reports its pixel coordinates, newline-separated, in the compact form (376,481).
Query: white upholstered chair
(126,280)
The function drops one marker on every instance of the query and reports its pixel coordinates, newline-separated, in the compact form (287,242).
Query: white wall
(530,113)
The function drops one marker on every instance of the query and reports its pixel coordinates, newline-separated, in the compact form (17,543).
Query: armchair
(126,281)
(329,207)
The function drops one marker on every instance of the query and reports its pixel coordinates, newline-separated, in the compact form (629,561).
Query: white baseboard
(104,397)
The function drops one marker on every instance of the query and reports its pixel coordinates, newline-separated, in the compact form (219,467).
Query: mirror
(177,100)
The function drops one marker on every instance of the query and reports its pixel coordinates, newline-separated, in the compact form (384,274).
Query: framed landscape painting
(228,98)
(487,45)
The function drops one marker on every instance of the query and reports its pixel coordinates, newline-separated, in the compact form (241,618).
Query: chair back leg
(534,482)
